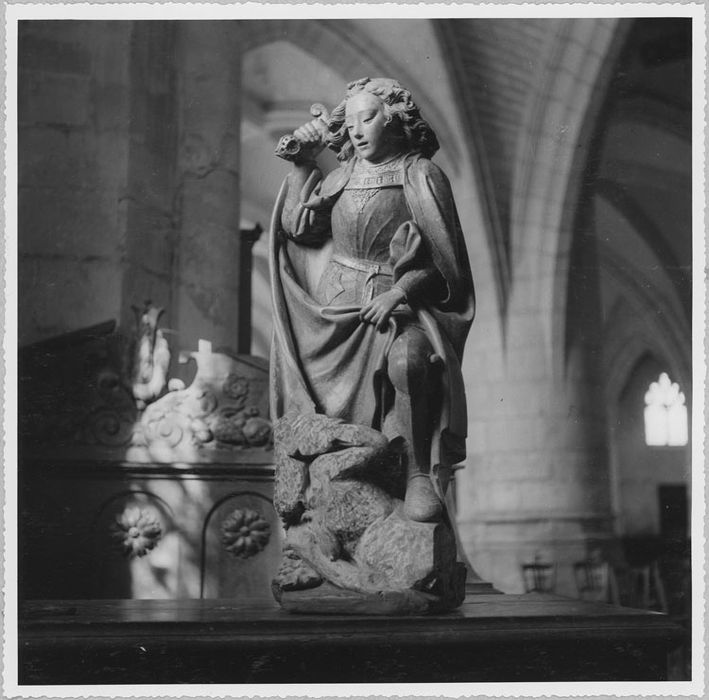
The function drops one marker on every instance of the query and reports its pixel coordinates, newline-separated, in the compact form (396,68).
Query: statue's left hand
(379,309)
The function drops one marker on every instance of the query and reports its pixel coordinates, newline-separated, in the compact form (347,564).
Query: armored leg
(413,376)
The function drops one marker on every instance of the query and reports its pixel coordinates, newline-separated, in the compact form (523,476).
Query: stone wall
(96,173)
(73,114)
(129,184)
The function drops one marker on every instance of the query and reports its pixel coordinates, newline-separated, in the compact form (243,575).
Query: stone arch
(629,208)
(551,160)
(630,339)
(129,494)
(646,109)
(480,164)
(349,51)
(633,332)
(624,389)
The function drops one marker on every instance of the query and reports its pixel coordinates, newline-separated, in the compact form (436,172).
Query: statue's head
(378,119)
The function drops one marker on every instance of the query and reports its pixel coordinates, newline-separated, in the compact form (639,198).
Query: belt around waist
(362,265)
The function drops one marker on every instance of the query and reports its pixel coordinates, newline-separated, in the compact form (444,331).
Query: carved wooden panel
(105,530)
(242,541)
(129,484)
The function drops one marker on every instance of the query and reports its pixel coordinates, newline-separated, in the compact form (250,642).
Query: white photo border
(13,13)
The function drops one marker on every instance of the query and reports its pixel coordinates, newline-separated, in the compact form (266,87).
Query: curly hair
(399,108)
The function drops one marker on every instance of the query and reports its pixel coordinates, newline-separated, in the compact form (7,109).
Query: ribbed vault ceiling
(644,162)
(498,66)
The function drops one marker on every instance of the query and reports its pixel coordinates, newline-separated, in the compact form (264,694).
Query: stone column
(538,480)
(146,206)
(537,485)
(206,279)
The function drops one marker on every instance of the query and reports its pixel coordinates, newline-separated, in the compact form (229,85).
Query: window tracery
(665,414)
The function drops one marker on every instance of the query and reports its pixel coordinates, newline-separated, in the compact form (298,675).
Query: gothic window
(665,414)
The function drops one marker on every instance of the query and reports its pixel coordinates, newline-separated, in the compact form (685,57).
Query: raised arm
(299,223)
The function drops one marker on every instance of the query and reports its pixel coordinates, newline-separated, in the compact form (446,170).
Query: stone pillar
(538,480)
(146,207)
(538,476)
(206,280)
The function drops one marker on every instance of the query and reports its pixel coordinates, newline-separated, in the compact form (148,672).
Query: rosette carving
(236,388)
(166,428)
(245,533)
(112,428)
(135,532)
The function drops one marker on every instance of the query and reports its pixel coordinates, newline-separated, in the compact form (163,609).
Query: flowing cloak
(325,359)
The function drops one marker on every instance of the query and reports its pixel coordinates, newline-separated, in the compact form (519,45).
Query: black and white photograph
(354,350)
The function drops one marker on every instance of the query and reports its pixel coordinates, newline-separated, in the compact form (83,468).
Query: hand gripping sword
(289,147)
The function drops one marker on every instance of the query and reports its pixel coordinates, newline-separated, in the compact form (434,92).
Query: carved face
(368,129)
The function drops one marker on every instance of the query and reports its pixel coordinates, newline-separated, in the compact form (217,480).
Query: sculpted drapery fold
(323,353)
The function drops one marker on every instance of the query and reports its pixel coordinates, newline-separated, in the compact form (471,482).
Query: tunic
(325,358)
(364,220)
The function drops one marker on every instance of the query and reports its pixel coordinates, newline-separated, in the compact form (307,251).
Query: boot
(421,503)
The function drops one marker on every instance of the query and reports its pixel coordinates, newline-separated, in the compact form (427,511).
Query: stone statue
(151,355)
(373,299)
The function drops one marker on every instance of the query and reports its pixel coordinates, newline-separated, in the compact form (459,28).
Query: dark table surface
(539,612)
(147,638)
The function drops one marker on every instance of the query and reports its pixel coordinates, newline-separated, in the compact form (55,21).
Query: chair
(647,591)
(596,581)
(539,577)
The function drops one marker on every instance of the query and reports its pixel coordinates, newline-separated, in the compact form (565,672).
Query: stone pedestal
(349,540)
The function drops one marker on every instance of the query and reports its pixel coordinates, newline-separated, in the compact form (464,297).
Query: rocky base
(327,599)
(351,547)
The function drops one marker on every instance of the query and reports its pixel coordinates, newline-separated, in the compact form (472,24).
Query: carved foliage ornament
(105,390)
(135,532)
(223,408)
(245,533)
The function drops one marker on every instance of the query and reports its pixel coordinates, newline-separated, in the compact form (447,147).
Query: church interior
(146,183)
